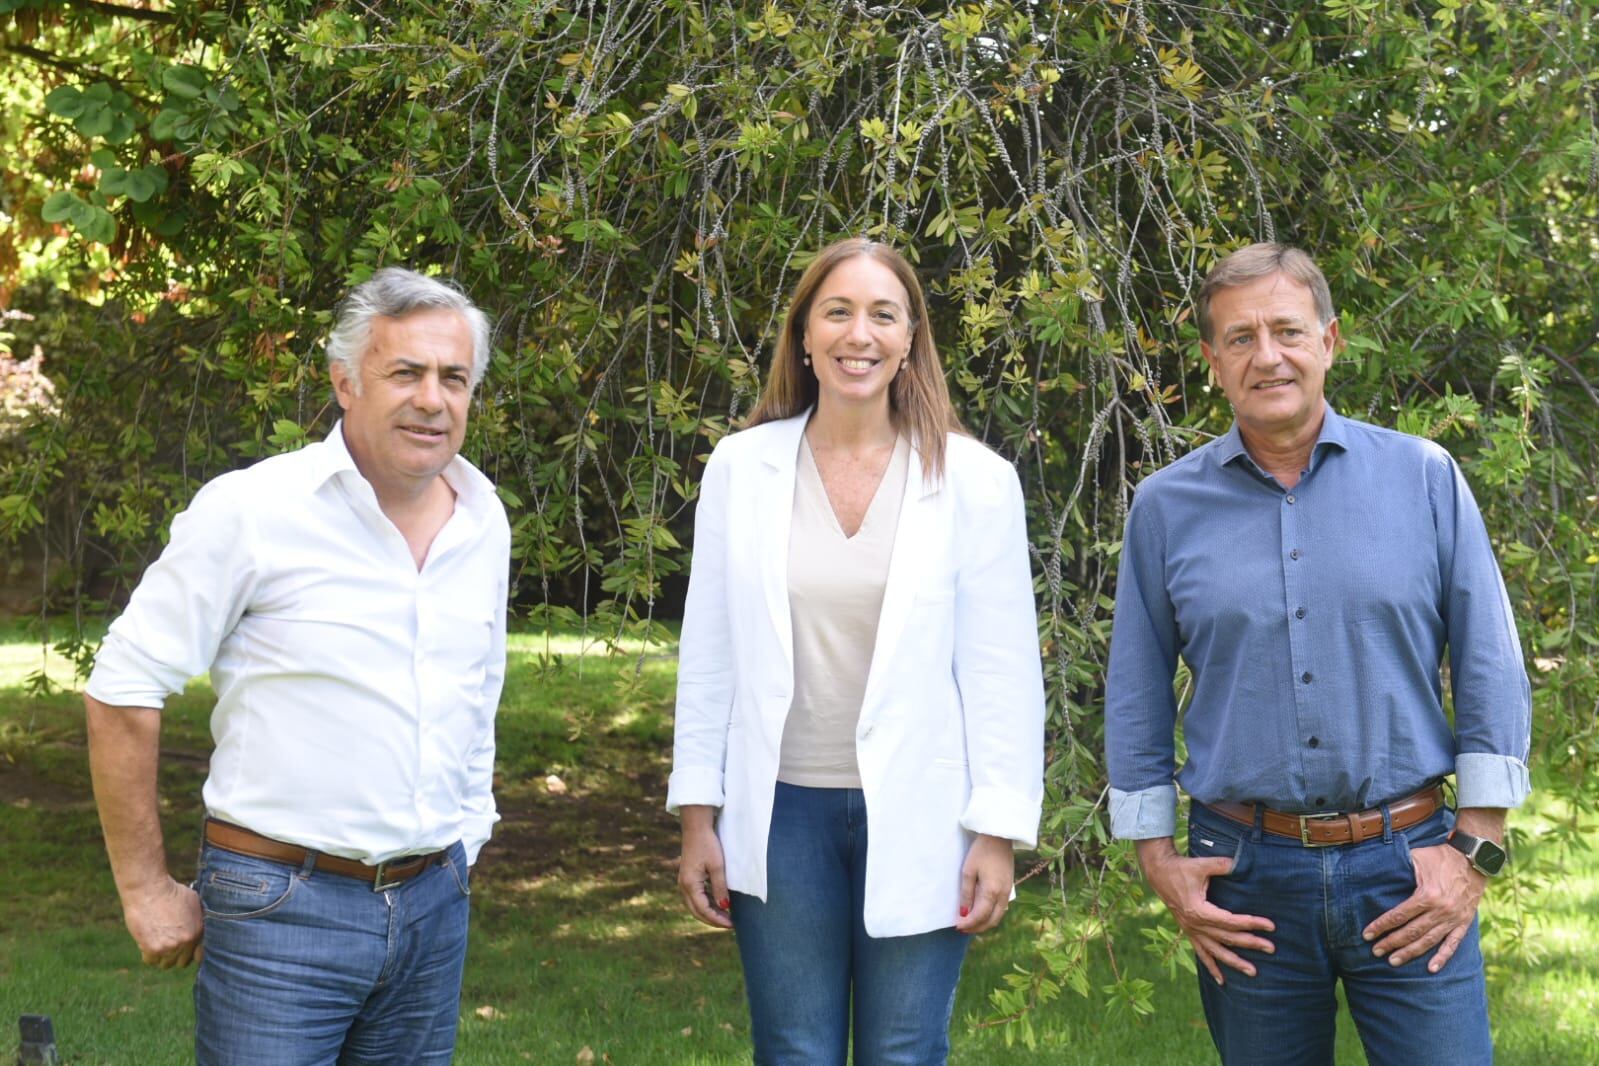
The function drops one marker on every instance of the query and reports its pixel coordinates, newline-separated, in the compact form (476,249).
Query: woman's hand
(701,876)
(986,879)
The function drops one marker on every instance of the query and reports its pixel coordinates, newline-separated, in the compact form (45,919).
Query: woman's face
(858,333)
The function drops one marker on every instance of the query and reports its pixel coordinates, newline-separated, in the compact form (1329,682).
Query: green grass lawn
(578,938)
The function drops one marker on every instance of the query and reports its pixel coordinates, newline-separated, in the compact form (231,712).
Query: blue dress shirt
(1314,623)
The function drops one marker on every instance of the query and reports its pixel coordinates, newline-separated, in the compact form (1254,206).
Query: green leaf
(104,158)
(122,128)
(164,126)
(67,101)
(95,121)
(58,207)
(184,81)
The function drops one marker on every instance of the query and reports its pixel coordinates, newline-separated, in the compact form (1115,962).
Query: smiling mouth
(425,431)
(855,363)
(1275,383)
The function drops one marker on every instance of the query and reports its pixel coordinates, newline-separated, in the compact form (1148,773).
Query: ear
(1210,356)
(1331,341)
(343,385)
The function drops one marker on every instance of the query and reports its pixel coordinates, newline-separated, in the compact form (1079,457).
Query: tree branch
(119,11)
(44,58)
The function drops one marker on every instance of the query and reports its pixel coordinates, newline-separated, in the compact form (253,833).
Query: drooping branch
(102,7)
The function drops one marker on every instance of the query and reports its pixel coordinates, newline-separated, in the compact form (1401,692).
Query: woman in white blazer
(859,651)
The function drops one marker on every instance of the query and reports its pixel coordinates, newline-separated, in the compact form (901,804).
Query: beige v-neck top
(835,595)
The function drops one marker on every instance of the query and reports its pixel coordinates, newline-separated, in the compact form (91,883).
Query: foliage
(632,187)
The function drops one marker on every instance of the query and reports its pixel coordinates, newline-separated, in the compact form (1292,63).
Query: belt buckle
(1304,829)
(379,884)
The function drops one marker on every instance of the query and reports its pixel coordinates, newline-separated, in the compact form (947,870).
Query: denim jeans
(809,967)
(304,968)
(1320,900)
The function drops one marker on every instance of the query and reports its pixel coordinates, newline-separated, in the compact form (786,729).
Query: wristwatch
(1486,857)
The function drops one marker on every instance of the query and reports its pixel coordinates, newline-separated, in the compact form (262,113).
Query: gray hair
(1258,261)
(394,292)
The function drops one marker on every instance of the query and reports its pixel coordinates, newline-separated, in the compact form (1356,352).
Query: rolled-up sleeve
(1140,708)
(999,671)
(705,673)
(186,603)
(1488,677)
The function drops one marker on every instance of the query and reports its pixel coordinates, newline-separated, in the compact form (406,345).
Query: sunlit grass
(579,939)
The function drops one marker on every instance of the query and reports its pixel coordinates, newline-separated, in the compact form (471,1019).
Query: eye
(837,312)
(885,316)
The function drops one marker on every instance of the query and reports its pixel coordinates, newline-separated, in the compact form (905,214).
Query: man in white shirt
(349,602)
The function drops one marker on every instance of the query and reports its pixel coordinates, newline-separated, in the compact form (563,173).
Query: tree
(631,188)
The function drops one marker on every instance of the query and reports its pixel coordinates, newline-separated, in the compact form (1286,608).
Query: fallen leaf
(688,1030)
(585,1056)
(487,1013)
(554,786)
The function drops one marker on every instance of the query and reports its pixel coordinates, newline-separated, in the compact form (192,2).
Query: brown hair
(918,397)
(1259,261)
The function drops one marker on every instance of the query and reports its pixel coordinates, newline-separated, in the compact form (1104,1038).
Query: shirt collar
(1334,432)
(472,489)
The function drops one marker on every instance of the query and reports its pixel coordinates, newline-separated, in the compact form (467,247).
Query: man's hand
(701,873)
(1215,933)
(986,879)
(1439,913)
(166,923)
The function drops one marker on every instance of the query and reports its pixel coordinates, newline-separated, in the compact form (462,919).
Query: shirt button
(1294,554)
(1299,613)
(1290,497)
(1313,742)
(1305,677)
(1321,801)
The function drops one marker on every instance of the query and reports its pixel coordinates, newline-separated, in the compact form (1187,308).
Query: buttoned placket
(1308,711)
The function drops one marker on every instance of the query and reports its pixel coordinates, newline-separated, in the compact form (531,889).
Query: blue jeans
(308,968)
(805,950)
(1320,900)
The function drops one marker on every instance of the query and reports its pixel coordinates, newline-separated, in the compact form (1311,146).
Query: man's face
(1270,354)
(405,419)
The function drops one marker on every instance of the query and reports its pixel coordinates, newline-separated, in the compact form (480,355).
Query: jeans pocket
(456,862)
(237,887)
(1207,840)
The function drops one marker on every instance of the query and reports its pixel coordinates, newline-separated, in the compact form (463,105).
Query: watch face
(1490,857)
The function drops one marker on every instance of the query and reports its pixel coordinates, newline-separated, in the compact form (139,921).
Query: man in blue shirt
(1312,571)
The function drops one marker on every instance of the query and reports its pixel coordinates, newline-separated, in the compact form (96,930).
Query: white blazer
(950,740)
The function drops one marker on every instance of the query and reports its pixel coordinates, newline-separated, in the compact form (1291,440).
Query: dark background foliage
(631,189)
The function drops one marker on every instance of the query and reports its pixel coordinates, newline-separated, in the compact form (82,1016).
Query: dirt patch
(24,787)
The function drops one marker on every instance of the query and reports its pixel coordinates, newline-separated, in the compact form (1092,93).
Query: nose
(860,331)
(429,395)
(1267,353)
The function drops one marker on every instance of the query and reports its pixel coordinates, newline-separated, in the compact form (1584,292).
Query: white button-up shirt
(355,693)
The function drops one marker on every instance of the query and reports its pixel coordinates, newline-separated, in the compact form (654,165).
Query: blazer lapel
(906,567)
(774,517)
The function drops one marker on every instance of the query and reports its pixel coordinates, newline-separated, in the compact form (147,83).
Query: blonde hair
(918,397)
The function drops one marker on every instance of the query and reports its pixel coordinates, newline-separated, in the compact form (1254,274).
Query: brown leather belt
(1327,830)
(383,875)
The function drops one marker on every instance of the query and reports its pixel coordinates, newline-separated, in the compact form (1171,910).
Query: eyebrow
(1280,320)
(874,303)
(402,363)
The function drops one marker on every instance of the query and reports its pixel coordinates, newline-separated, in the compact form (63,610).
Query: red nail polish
(965,911)
(725,904)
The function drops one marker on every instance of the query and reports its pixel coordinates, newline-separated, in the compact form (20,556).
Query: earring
(806,360)
(902,363)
